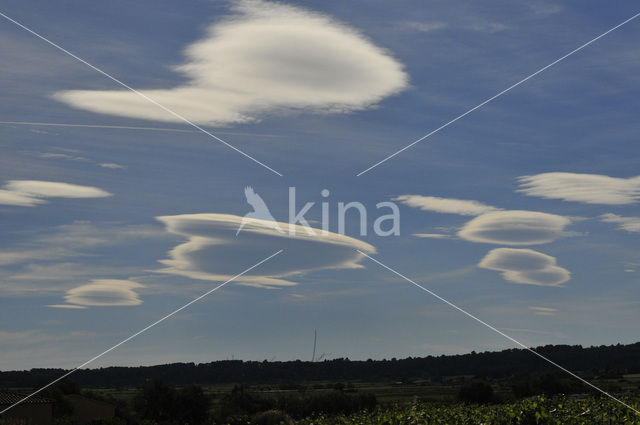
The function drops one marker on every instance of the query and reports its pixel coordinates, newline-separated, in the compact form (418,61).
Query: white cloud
(8,197)
(46,189)
(422,26)
(267,58)
(544,9)
(543,311)
(52,155)
(492,225)
(587,188)
(515,227)
(432,235)
(214,252)
(525,266)
(445,205)
(488,27)
(67,306)
(29,193)
(17,256)
(111,165)
(467,24)
(105,292)
(630,224)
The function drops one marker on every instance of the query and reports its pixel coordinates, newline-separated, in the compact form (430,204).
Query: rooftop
(9,397)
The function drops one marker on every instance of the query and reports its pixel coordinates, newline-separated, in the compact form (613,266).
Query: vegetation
(534,411)
(487,388)
(612,360)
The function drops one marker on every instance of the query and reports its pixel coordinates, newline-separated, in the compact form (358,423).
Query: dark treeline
(603,360)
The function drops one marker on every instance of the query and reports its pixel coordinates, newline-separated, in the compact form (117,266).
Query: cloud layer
(587,188)
(214,252)
(515,227)
(268,58)
(525,266)
(445,205)
(29,193)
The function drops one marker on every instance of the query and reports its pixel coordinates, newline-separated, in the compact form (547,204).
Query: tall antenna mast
(315,338)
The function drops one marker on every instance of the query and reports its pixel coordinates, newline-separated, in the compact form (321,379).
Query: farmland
(537,410)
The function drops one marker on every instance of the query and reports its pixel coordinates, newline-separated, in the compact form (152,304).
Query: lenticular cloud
(515,227)
(213,251)
(268,58)
(525,266)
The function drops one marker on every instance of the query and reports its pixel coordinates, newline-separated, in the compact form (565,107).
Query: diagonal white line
(497,95)
(140,332)
(498,331)
(175,114)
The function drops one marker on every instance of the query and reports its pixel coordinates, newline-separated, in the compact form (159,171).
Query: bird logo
(260,210)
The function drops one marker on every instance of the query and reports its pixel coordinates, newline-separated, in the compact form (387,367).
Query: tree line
(611,360)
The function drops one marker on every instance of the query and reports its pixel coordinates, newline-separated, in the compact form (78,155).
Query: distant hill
(592,361)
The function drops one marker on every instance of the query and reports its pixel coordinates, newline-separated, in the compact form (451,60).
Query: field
(430,403)
(538,411)
(445,400)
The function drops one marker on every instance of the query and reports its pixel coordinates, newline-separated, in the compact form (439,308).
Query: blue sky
(318,91)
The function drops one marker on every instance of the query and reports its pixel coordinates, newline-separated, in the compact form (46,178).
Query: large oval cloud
(525,266)
(214,252)
(515,227)
(268,58)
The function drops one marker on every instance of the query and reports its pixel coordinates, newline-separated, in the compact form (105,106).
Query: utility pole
(315,338)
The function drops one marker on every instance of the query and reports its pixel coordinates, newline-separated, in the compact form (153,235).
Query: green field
(538,411)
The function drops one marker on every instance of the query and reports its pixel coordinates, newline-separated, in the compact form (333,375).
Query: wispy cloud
(67,306)
(29,193)
(445,205)
(488,27)
(432,235)
(74,240)
(470,23)
(525,266)
(630,224)
(267,58)
(48,262)
(586,188)
(543,311)
(55,155)
(214,252)
(17,199)
(422,26)
(544,8)
(111,165)
(37,336)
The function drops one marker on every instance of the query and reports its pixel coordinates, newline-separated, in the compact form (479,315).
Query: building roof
(9,397)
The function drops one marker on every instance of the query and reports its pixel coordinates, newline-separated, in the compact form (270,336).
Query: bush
(272,417)
(476,392)
(157,402)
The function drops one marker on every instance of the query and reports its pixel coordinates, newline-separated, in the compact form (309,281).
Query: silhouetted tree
(476,392)
(191,405)
(156,401)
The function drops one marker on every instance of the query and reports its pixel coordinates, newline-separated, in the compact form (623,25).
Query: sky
(116,208)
